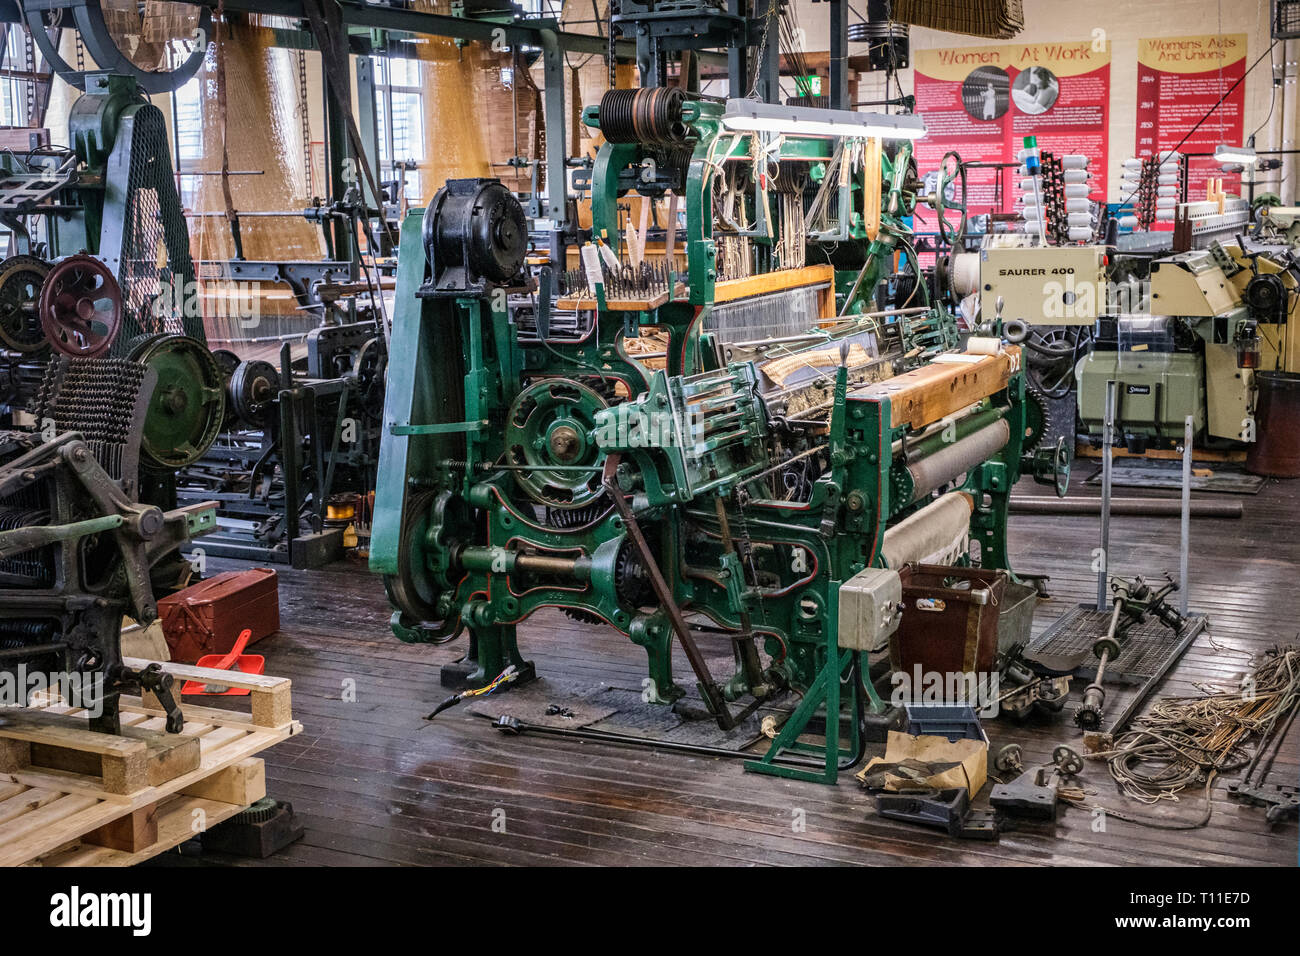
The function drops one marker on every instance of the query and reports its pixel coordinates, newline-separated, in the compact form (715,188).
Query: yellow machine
(1212,318)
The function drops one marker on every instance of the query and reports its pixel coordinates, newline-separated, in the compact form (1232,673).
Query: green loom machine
(744,422)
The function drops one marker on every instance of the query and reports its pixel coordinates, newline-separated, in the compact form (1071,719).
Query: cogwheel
(21,278)
(1038,419)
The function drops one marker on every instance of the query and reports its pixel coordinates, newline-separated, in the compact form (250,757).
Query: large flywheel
(551,443)
(188,405)
(422,590)
(81,307)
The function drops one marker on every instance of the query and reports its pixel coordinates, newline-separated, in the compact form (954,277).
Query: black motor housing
(1267,298)
(476,237)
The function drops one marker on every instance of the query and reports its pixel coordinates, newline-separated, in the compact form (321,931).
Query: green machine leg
(824,693)
(492,648)
(655,634)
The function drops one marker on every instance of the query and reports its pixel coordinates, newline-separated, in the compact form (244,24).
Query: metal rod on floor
(1185,539)
(1108,441)
(1139,507)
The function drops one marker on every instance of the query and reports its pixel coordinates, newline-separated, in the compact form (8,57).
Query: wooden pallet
(1085,450)
(72,797)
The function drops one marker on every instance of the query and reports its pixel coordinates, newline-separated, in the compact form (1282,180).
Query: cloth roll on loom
(934,535)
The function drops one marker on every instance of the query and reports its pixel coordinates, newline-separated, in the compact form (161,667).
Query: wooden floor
(376,784)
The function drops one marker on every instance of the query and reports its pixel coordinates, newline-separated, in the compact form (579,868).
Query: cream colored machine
(1038,285)
(1279,224)
(1045,285)
(1227,312)
(1186,343)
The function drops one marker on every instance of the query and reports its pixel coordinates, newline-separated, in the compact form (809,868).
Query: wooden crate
(72,797)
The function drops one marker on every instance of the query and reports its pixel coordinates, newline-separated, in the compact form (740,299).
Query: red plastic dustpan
(235,660)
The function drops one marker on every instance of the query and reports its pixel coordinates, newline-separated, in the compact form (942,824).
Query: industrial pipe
(1139,507)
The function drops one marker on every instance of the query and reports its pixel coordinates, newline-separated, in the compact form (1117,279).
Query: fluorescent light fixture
(753,116)
(1223,153)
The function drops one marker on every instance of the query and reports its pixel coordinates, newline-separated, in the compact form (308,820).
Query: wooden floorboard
(376,784)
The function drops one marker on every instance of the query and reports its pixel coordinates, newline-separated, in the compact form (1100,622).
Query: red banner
(1180,79)
(983,101)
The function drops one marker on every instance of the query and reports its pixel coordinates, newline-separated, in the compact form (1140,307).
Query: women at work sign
(983,101)
(1180,79)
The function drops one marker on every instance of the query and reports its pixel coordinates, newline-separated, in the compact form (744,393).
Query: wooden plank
(65,742)
(176,822)
(768,282)
(1085,450)
(925,395)
(29,799)
(61,820)
(10,789)
(210,675)
(136,831)
(270,699)
(60,742)
(60,814)
(61,730)
(242,783)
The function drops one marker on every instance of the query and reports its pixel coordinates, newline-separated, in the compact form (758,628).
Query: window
(542,8)
(399,113)
(188,119)
(15,93)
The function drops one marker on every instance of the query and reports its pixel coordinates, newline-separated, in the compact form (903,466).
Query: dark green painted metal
(188,404)
(454,520)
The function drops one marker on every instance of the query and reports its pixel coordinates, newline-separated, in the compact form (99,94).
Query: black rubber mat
(621,710)
(576,705)
(1226,479)
(660,722)
(1066,646)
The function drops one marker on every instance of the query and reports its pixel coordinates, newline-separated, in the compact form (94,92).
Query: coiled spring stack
(650,116)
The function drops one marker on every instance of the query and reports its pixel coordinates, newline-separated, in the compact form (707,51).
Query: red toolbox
(207,617)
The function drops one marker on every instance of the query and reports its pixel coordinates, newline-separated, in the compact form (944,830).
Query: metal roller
(961,456)
(964,273)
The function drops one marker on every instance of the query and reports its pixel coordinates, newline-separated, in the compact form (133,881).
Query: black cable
(1272,100)
(1210,111)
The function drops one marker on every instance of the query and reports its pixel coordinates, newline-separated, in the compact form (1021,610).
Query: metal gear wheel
(1038,419)
(21,278)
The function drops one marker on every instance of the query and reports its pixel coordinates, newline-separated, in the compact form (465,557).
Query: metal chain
(304,111)
(613,64)
(29,61)
(773,12)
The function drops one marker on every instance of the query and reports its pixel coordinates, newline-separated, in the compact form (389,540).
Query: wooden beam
(957,380)
(768,282)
